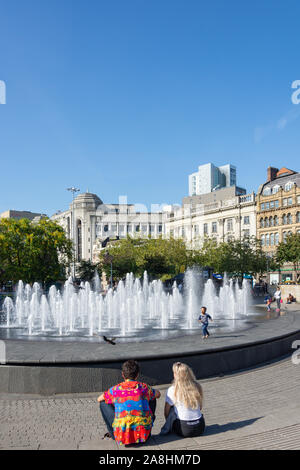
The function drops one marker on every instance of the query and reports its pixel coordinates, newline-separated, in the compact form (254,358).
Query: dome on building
(88,198)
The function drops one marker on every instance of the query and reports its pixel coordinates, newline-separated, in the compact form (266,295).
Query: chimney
(271,173)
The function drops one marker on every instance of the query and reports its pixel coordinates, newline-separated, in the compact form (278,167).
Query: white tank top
(182,413)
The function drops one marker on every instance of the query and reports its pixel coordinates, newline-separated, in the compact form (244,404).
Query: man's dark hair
(204,308)
(130,369)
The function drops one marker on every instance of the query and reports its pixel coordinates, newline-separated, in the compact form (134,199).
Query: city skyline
(130,99)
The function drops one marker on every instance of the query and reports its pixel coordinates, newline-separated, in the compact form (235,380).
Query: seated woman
(183,404)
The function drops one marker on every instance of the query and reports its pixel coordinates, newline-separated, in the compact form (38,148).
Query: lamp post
(73,191)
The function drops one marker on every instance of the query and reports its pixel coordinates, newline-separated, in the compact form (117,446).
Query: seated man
(290,299)
(128,408)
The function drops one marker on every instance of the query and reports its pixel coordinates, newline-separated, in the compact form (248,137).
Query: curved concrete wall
(49,379)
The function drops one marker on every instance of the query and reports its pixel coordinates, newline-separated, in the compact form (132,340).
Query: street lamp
(73,191)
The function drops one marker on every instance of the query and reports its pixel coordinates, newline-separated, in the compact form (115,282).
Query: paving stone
(254,409)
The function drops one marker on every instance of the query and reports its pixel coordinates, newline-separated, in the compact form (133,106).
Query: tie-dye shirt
(133,417)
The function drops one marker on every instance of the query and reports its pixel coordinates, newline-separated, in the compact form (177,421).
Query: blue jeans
(108,414)
(205,330)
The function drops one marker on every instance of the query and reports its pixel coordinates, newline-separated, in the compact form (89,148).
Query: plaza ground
(255,409)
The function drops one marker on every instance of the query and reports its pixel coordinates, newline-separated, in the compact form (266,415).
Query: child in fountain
(203,319)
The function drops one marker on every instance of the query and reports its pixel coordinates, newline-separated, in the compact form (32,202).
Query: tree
(124,258)
(237,257)
(33,252)
(160,257)
(288,251)
(86,270)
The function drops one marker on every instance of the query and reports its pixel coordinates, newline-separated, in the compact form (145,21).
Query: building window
(137,228)
(275,189)
(205,229)
(288,186)
(272,204)
(105,228)
(272,239)
(284,202)
(267,239)
(262,240)
(261,223)
(271,222)
(229,225)
(267,205)
(276,203)
(160,229)
(262,207)
(284,219)
(214,227)
(144,228)
(267,191)
(298,217)
(246,220)
(290,201)
(289,219)
(276,238)
(298,199)
(275,220)
(79,240)
(266,222)
(247,233)
(129,228)
(121,228)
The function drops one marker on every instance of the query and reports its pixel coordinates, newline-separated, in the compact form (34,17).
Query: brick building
(278,214)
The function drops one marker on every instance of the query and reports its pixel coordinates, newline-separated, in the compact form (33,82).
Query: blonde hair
(186,388)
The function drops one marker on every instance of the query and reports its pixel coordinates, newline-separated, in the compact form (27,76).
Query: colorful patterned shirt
(133,417)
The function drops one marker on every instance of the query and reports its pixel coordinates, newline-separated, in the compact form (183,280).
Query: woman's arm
(167,409)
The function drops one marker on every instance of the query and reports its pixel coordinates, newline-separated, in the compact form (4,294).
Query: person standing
(277,297)
(204,319)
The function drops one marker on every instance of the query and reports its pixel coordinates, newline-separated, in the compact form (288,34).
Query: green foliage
(159,257)
(289,251)
(164,258)
(235,257)
(86,270)
(33,252)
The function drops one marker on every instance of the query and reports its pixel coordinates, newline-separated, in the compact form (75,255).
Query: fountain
(137,308)
(54,340)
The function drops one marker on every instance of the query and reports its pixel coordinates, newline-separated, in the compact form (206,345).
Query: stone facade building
(18,215)
(96,222)
(222,214)
(278,214)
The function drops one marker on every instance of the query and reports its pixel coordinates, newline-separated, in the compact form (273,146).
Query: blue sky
(129,97)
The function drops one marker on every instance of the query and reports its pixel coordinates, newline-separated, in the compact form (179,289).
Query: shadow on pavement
(217,428)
